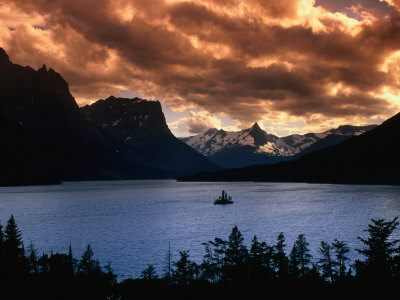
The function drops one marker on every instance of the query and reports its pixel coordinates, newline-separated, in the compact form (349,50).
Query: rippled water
(131,223)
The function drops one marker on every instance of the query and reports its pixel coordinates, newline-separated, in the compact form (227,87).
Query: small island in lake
(223,199)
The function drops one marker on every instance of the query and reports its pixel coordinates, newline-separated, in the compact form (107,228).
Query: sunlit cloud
(308,62)
(195,123)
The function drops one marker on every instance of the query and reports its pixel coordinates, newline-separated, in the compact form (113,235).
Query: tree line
(229,270)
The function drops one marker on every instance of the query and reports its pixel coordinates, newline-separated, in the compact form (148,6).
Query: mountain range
(255,146)
(47,138)
(369,158)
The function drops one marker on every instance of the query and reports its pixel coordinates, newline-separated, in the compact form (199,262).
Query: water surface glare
(131,223)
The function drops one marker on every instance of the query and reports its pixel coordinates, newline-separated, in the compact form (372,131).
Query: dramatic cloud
(280,61)
(196,123)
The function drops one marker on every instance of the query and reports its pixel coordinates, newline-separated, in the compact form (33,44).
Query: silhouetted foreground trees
(229,270)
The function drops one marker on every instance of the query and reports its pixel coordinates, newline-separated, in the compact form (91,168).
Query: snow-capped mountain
(214,140)
(369,158)
(255,146)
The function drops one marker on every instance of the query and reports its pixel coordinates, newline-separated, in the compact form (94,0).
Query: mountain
(50,139)
(140,125)
(40,102)
(369,158)
(255,146)
(23,156)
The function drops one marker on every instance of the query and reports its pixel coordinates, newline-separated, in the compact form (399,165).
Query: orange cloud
(250,59)
(196,123)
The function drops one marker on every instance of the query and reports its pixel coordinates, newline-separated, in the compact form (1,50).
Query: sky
(293,66)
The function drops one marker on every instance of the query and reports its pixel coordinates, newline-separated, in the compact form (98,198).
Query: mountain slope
(141,125)
(40,102)
(255,146)
(32,153)
(370,158)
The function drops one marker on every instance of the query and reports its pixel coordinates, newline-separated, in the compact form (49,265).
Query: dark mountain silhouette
(24,158)
(370,158)
(141,125)
(38,105)
(334,137)
(255,146)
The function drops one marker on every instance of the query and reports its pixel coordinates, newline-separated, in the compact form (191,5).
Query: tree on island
(224,199)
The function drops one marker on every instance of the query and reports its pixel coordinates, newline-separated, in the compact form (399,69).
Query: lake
(131,223)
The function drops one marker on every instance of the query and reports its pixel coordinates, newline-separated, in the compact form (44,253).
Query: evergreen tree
(168,269)
(261,261)
(2,268)
(185,270)
(87,264)
(15,267)
(32,259)
(325,262)
(43,264)
(300,257)
(214,260)
(71,260)
(13,246)
(341,250)
(1,246)
(111,278)
(1,242)
(149,273)
(235,257)
(281,261)
(379,248)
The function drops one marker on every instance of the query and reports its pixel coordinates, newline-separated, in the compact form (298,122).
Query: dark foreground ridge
(229,270)
(371,158)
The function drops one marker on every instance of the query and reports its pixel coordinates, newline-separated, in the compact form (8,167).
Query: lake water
(131,223)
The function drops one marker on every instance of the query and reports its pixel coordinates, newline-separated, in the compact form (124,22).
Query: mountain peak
(126,117)
(4,59)
(256,126)
(211,131)
(43,68)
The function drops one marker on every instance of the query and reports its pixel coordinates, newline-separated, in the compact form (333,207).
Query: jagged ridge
(255,146)
(369,158)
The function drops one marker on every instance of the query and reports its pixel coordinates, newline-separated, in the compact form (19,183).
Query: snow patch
(116,122)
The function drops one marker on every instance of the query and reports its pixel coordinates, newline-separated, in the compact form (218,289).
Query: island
(223,199)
